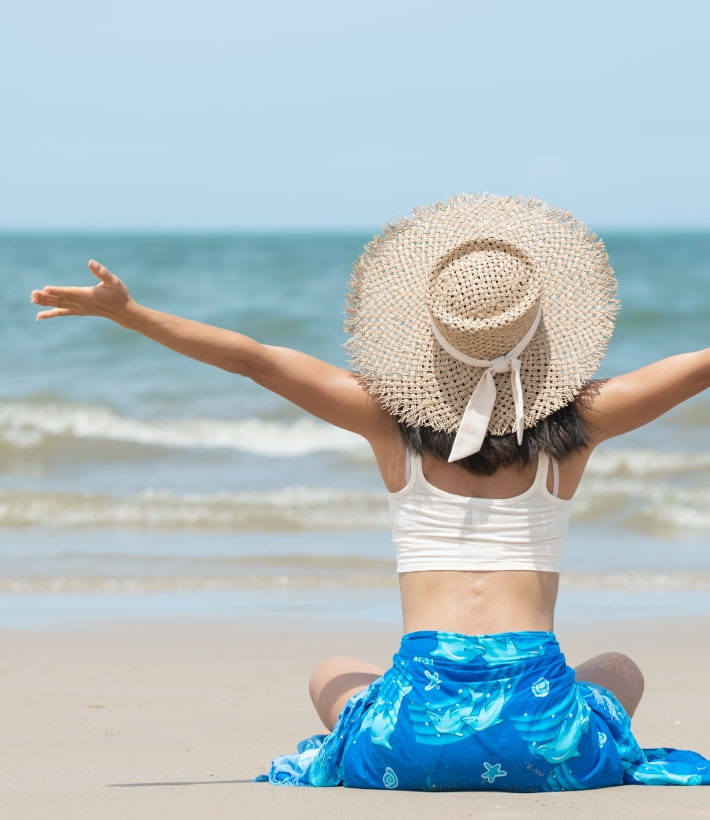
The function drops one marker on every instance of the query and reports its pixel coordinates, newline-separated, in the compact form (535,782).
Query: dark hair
(560,434)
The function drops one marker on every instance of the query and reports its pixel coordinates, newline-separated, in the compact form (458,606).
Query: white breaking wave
(645,503)
(611,462)
(29,425)
(640,506)
(26,425)
(644,490)
(289,509)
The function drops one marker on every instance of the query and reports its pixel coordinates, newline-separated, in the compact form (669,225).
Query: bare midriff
(478,603)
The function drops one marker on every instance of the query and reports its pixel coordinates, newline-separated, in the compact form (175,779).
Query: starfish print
(434,681)
(492,771)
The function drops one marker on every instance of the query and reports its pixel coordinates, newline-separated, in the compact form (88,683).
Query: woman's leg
(616,672)
(335,681)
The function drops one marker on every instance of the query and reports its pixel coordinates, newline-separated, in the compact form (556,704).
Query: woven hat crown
(483,297)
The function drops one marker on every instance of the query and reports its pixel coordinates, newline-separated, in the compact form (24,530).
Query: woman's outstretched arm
(324,390)
(623,403)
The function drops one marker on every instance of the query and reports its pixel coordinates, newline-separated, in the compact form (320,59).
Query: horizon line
(236,230)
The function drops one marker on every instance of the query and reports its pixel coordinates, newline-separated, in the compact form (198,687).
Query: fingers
(71,301)
(101,272)
(52,296)
(49,297)
(63,301)
(43,297)
(50,314)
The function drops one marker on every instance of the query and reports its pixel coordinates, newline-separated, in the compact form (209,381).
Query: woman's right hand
(110,298)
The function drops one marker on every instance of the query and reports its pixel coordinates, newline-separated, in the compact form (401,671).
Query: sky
(232,115)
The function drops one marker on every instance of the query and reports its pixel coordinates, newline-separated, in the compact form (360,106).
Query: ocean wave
(647,507)
(645,504)
(287,510)
(613,462)
(27,426)
(663,492)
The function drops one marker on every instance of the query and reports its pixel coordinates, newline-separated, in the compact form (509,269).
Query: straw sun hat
(480,314)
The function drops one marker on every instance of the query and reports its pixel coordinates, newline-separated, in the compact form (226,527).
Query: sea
(135,482)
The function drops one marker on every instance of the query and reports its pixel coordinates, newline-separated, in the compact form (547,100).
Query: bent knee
(326,671)
(626,668)
(335,681)
(618,673)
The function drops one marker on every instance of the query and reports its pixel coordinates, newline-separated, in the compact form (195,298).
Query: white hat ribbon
(477,415)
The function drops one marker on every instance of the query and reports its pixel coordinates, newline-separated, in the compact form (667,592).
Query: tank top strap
(412,465)
(555,477)
(413,469)
(543,466)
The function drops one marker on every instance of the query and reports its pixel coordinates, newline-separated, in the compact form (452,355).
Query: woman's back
(458,578)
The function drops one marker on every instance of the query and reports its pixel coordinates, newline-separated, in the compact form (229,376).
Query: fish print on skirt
(497,712)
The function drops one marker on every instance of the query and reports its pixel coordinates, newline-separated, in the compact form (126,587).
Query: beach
(179,548)
(173,717)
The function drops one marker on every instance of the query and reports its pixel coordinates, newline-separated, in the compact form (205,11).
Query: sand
(173,718)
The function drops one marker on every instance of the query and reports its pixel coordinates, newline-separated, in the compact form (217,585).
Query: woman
(476,325)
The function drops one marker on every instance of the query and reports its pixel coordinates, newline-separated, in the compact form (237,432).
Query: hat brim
(391,344)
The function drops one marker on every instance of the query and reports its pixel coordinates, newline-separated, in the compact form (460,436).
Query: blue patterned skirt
(497,712)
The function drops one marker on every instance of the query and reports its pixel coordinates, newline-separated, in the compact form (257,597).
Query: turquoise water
(127,470)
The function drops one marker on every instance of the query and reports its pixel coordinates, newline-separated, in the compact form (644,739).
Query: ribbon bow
(477,415)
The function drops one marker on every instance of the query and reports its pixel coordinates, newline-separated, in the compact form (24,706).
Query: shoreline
(364,605)
(172,717)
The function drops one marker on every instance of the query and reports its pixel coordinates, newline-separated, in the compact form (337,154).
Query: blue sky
(224,114)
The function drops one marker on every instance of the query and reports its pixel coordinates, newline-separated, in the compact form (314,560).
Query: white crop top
(436,530)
